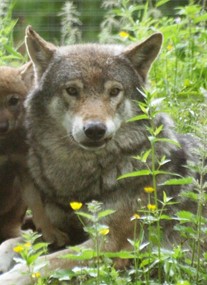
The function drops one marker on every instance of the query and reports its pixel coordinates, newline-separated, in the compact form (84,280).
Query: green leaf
(144,172)
(185,216)
(166,199)
(141,92)
(83,255)
(144,109)
(40,245)
(105,213)
(160,3)
(167,141)
(145,155)
(165,217)
(145,262)
(157,101)
(163,161)
(120,254)
(31,259)
(158,130)
(200,18)
(138,118)
(159,172)
(85,215)
(180,181)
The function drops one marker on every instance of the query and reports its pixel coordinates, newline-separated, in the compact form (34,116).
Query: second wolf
(14,86)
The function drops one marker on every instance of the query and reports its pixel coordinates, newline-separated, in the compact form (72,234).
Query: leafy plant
(70,24)
(180,73)
(29,252)
(7,51)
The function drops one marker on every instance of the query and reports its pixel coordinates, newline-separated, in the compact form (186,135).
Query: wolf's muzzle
(95,130)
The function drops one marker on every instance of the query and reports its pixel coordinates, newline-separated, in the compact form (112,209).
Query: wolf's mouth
(94,145)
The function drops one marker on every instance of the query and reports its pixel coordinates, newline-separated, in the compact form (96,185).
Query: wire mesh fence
(44,16)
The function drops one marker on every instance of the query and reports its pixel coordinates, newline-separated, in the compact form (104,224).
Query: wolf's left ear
(27,75)
(39,50)
(142,55)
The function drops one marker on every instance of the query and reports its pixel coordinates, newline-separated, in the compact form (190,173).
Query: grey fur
(64,166)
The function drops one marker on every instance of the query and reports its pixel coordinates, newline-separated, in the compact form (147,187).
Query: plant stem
(154,183)
(199,216)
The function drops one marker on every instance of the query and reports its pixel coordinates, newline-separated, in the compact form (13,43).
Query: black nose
(4,127)
(95,130)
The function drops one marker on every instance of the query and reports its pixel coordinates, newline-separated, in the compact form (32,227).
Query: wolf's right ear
(142,55)
(40,51)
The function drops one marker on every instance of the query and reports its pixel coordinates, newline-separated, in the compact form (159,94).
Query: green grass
(179,76)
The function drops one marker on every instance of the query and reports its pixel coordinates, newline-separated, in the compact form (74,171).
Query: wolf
(80,140)
(14,85)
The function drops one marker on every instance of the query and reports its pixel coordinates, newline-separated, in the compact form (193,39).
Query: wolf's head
(87,90)
(14,85)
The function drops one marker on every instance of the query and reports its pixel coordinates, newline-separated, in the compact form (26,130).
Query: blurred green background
(43,15)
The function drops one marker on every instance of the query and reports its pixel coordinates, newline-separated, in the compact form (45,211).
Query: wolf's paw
(56,237)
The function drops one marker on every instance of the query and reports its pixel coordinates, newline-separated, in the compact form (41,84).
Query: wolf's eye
(13,101)
(72,91)
(114,92)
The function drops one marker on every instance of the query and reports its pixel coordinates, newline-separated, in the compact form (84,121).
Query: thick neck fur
(61,166)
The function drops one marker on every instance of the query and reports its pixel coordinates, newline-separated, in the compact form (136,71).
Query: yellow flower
(104,231)
(123,34)
(18,248)
(169,47)
(151,207)
(135,217)
(76,205)
(27,244)
(149,189)
(36,275)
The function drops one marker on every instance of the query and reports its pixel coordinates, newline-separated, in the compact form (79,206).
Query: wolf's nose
(4,126)
(95,130)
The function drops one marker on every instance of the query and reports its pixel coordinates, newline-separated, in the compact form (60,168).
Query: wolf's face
(92,97)
(88,89)
(13,89)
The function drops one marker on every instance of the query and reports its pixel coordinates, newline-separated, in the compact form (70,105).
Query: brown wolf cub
(14,85)
(80,141)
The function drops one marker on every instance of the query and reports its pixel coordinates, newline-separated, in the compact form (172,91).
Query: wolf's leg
(50,233)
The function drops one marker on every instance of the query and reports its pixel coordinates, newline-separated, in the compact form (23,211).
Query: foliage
(29,252)
(7,51)
(180,73)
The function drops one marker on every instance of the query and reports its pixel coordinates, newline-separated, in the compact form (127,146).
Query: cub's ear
(27,74)
(40,51)
(142,55)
